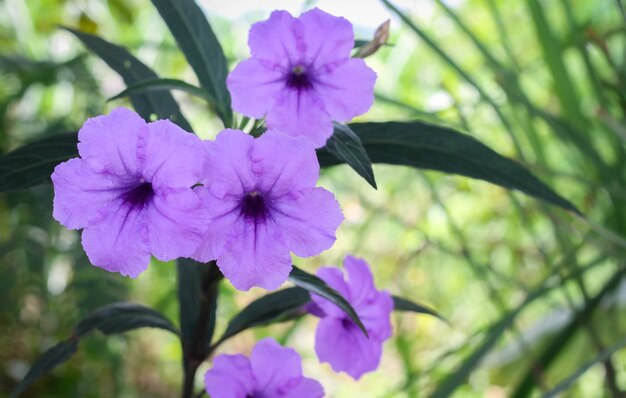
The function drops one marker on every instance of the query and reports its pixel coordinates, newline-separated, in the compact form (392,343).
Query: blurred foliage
(537,291)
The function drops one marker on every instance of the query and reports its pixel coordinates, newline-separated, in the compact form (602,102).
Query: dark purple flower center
(140,195)
(299,79)
(348,324)
(253,206)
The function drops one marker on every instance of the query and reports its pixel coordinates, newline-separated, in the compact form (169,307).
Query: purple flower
(271,371)
(261,197)
(301,75)
(338,339)
(130,191)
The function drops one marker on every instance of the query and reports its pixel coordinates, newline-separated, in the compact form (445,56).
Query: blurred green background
(526,286)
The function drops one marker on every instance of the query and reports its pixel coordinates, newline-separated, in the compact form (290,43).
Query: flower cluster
(143,189)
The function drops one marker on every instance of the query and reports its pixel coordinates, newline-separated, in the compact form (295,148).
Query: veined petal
(228,167)
(118,242)
(284,163)
(230,377)
(329,39)
(257,257)
(275,367)
(309,221)
(278,39)
(346,350)
(82,196)
(301,112)
(109,143)
(176,222)
(347,90)
(253,86)
(174,158)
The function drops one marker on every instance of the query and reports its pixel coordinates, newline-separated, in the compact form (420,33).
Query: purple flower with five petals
(130,191)
(338,339)
(271,371)
(262,201)
(301,76)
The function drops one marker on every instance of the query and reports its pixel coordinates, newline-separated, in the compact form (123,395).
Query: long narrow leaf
(315,285)
(161,85)
(403,304)
(347,147)
(196,39)
(110,319)
(423,145)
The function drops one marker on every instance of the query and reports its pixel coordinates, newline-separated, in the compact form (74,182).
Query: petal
(230,377)
(328,38)
(119,241)
(255,256)
(82,195)
(277,40)
(301,112)
(360,279)
(376,315)
(253,85)
(176,221)
(221,226)
(228,168)
(333,278)
(347,90)
(284,163)
(275,367)
(308,388)
(109,143)
(173,157)
(346,350)
(309,221)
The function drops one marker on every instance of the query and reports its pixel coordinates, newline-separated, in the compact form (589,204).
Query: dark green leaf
(109,319)
(315,285)
(33,163)
(196,39)
(428,146)
(402,304)
(346,147)
(197,297)
(134,71)
(274,307)
(161,85)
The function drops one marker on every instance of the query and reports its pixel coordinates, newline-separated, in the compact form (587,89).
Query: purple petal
(301,112)
(277,40)
(230,377)
(256,256)
(81,195)
(275,367)
(360,279)
(119,241)
(308,221)
(221,227)
(253,85)
(284,164)
(333,278)
(346,349)
(109,143)
(174,158)
(228,168)
(176,222)
(347,90)
(329,39)
(308,388)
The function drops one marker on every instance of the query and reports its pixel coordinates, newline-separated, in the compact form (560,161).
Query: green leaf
(427,146)
(346,147)
(197,297)
(191,29)
(133,71)
(315,285)
(402,304)
(33,163)
(162,85)
(110,319)
(274,307)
